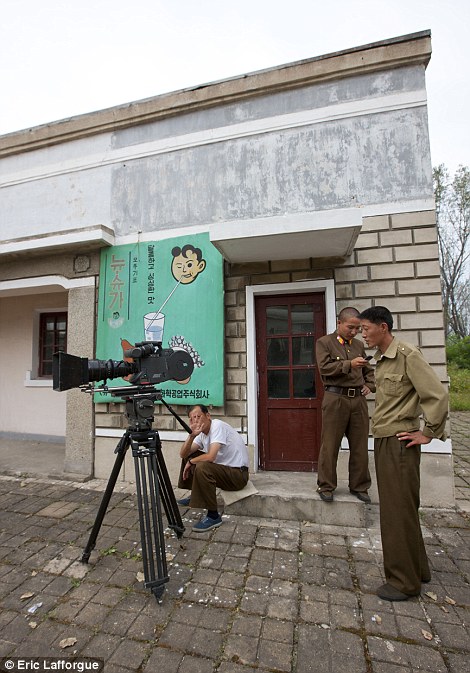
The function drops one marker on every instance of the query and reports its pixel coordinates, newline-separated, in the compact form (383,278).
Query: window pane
(278,384)
(302,350)
(304,383)
(47,369)
(278,352)
(302,318)
(52,337)
(47,352)
(277,319)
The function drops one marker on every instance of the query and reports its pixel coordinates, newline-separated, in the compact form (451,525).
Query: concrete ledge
(292,495)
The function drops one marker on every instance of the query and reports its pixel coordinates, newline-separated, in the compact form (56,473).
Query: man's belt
(349,392)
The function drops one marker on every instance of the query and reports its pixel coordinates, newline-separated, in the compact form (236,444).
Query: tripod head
(140,404)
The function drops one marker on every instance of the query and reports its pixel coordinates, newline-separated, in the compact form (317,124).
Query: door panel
(290,393)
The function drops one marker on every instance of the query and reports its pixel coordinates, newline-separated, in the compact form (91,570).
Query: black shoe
(389,593)
(363,496)
(326,496)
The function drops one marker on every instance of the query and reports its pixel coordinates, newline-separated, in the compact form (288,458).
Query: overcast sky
(63,58)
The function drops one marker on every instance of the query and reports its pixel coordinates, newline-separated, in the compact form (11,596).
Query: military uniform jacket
(406,387)
(334,363)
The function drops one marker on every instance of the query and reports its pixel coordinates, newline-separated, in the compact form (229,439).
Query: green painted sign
(169,291)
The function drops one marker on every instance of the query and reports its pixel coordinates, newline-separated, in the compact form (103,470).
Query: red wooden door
(290,390)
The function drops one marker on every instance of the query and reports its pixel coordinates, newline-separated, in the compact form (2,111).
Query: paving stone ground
(253,595)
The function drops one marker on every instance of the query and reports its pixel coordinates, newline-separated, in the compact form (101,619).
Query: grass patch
(459,388)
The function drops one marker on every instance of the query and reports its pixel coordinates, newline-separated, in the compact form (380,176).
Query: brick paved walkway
(253,595)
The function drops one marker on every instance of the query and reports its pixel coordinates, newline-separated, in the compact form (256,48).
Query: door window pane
(278,384)
(62,341)
(277,319)
(302,318)
(278,352)
(304,383)
(302,350)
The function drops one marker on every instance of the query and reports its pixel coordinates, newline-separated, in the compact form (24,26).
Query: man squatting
(406,387)
(213,456)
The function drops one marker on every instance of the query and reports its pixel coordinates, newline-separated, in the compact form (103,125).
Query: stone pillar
(79,436)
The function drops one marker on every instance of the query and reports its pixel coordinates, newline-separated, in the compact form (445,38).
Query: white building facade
(314,182)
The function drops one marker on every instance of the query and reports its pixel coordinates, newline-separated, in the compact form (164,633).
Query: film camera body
(147,364)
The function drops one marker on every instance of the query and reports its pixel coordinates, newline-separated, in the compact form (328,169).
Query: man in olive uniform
(406,387)
(347,378)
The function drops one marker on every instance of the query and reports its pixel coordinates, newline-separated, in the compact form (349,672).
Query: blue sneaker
(184,502)
(207,524)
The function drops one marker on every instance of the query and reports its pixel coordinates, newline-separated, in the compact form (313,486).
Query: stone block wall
(395,263)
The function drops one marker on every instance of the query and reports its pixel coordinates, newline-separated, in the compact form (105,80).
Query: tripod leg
(121,449)
(168,495)
(150,516)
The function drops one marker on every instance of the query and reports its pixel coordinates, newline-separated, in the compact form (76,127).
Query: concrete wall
(360,140)
(30,408)
(79,447)
(27,408)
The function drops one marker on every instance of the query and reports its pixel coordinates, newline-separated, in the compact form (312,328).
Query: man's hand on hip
(416,437)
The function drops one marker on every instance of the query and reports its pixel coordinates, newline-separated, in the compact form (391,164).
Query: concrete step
(293,496)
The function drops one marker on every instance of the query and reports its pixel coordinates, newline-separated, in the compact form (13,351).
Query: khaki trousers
(342,415)
(398,481)
(206,477)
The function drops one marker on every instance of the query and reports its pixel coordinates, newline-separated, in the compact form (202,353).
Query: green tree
(452,198)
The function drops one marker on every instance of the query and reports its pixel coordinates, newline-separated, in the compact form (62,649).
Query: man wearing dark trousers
(347,378)
(213,456)
(406,388)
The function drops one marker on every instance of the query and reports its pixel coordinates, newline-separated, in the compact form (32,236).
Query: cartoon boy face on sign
(187,263)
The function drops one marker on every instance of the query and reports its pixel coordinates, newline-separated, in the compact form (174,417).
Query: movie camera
(144,365)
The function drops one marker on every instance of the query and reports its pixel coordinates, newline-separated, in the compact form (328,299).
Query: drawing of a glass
(153,326)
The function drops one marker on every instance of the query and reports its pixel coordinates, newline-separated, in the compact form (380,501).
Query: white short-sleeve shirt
(232,452)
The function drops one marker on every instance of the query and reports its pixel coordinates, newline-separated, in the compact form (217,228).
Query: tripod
(153,487)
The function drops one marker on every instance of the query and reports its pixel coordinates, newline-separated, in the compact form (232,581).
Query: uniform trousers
(342,415)
(204,479)
(398,480)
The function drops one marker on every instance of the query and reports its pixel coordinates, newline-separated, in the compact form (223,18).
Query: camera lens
(100,370)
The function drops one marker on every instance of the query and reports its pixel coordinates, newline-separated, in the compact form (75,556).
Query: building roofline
(411,49)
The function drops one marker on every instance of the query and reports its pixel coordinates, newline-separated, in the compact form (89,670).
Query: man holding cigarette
(347,378)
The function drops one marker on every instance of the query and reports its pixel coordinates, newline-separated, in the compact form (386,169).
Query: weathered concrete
(414,48)
(80,417)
